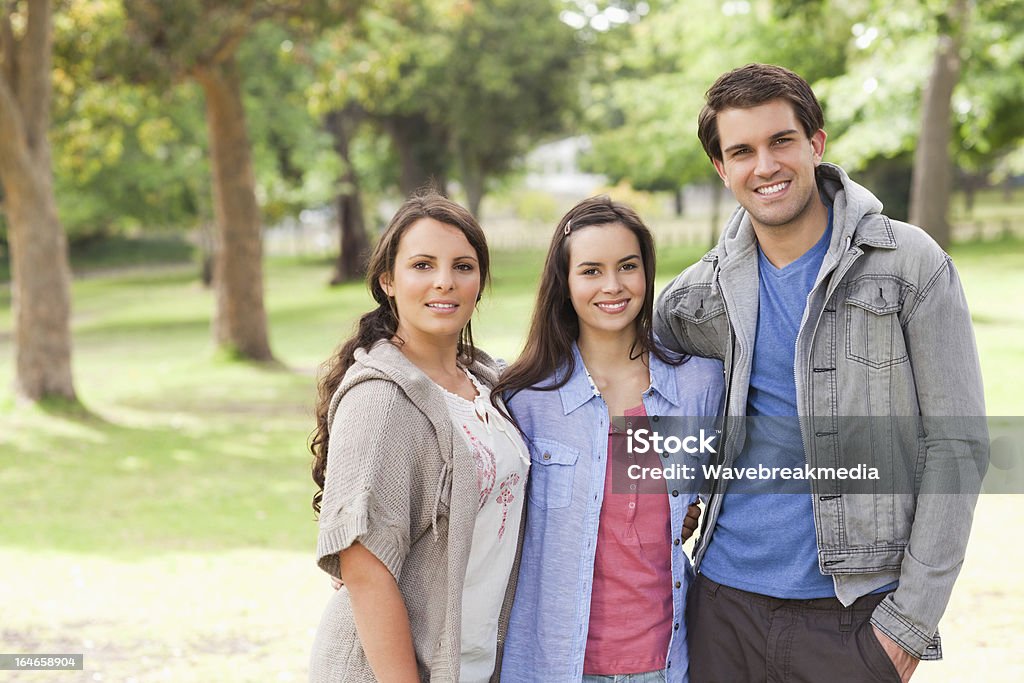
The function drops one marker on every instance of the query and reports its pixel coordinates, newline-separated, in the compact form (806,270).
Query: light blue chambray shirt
(568,431)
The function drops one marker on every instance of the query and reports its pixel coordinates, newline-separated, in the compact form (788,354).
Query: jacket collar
(856,220)
(578,390)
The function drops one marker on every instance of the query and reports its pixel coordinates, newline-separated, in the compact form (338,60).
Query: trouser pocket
(874,655)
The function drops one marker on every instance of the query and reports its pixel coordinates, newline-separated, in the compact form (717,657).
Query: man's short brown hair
(750,86)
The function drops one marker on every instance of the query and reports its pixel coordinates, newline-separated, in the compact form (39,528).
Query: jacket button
(547,456)
(654,418)
(679,584)
(677,541)
(675,493)
(676,627)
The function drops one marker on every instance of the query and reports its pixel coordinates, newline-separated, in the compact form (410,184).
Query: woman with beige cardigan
(421,479)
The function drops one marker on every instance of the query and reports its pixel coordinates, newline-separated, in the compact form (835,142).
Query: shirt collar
(577,391)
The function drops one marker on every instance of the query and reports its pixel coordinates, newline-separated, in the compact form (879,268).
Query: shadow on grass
(74,411)
(228,356)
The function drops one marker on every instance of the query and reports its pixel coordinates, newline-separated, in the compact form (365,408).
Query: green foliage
(124,156)
(990,103)
(874,107)
(647,85)
(650,207)
(129,132)
(867,60)
(127,158)
(509,71)
(296,167)
(536,207)
(489,79)
(486,79)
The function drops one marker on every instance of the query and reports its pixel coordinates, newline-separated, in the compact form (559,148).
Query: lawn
(166,531)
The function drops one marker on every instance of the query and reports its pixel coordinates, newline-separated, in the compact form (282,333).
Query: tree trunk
(355,246)
(472,177)
(41,276)
(240,321)
(206,241)
(933,176)
(680,202)
(421,153)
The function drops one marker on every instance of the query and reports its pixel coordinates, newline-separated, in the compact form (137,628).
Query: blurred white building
(554,168)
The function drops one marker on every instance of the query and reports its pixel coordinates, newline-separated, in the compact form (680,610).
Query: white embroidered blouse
(502,465)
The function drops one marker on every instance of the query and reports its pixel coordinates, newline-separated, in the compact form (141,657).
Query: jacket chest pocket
(704,325)
(874,336)
(553,465)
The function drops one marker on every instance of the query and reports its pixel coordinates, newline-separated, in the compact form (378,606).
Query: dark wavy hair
(751,86)
(382,322)
(555,325)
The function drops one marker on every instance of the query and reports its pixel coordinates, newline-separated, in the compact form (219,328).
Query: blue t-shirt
(764,541)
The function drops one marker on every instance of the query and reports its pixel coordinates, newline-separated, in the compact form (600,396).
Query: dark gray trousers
(740,637)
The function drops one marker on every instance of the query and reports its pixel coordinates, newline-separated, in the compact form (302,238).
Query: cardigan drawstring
(443,487)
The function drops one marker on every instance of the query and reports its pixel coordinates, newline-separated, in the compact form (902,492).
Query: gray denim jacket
(886,332)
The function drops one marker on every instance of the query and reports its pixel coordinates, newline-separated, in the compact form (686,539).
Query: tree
(460,88)
(130,153)
(388,65)
(354,244)
(876,108)
(932,180)
(125,156)
(989,101)
(39,262)
(510,78)
(200,39)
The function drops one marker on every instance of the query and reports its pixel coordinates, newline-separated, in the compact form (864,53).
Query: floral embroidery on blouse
(486,467)
(505,498)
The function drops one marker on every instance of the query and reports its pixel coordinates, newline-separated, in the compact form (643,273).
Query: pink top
(631,600)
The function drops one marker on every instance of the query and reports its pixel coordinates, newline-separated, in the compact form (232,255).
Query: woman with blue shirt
(601,593)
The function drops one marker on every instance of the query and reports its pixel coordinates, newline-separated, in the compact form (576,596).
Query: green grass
(993,279)
(168,527)
(119,251)
(184,450)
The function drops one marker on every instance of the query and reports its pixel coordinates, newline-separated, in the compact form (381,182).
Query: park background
(188,191)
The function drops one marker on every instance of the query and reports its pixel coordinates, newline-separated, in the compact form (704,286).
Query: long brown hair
(382,322)
(555,325)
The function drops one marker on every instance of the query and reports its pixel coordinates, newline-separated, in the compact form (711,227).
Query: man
(822,307)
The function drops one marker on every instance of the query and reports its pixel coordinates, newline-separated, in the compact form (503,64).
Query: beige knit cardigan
(400,484)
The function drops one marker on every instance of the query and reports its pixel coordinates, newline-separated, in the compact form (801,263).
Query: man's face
(768,162)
